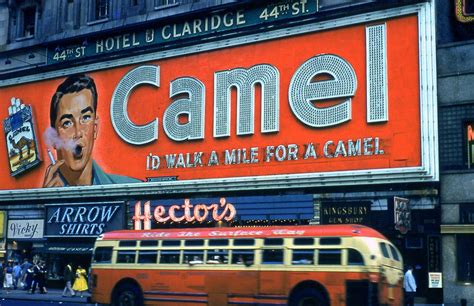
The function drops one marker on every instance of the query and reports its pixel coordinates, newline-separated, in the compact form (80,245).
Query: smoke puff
(53,140)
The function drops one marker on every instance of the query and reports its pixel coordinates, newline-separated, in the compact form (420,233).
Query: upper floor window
(27,22)
(466,212)
(161,3)
(101,9)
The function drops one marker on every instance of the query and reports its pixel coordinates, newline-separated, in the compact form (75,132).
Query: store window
(27,22)
(465,258)
(469,140)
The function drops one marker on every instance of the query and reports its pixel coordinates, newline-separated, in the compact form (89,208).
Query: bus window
(128,243)
(273,241)
(272,257)
(219,242)
(103,255)
(354,258)
(169,257)
(243,257)
(303,241)
(147,256)
(217,256)
(329,257)
(383,247)
(244,242)
(170,243)
(330,241)
(193,257)
(194,242)
(126,256)
(394,252)
(149,243)
(302,257)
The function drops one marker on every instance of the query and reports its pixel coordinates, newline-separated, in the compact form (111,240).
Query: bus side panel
(184,286)
(334,283)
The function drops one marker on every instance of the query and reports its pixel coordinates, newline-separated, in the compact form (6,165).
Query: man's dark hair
(72,84)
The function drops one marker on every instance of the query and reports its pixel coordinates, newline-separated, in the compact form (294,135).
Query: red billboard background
(399,136)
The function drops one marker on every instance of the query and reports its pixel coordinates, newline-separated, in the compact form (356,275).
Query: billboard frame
(427,172)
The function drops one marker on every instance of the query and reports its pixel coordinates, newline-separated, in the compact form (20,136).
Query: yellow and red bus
(328,265)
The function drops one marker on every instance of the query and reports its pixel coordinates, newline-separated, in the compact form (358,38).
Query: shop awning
(68,248)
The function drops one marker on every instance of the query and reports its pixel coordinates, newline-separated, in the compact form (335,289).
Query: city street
(53,297)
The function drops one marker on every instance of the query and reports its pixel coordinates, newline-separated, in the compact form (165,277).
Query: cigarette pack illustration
(22,146)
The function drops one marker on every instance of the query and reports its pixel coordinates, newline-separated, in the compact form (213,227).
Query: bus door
(391,271)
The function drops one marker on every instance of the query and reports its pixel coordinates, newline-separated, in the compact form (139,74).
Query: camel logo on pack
(20,137)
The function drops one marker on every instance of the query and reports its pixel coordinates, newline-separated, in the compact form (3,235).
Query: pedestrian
(409,284)
(2,273)
(37,278)
(16,275)
(43,278)
(80,284)
(26,274)
(69,277)
(8,280)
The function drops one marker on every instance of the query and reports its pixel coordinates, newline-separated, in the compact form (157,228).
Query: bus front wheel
(308,297)
(127,295)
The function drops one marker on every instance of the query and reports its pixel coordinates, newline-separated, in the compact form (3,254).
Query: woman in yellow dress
(80,284)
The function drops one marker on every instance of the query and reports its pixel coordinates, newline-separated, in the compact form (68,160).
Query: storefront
(71,229)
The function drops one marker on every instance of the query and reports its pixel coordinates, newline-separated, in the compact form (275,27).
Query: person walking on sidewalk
(80,284)
(8,272)
(69,279)
(409,284)
(37,279)
(26,274)
(43,277)
(16,275)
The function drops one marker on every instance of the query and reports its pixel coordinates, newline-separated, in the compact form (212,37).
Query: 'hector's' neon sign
(180,213)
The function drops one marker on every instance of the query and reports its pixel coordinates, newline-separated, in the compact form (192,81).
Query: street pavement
(53,295)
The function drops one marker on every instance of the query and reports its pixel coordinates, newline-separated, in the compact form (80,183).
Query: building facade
(219,113)
(455,97)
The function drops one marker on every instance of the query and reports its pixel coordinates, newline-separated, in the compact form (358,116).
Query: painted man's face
(77,124)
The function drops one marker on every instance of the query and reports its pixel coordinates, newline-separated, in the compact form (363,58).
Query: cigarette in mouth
(51,157)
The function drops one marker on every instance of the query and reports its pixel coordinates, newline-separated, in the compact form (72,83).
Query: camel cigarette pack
(20,138)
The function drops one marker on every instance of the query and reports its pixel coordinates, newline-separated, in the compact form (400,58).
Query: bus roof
(345,230)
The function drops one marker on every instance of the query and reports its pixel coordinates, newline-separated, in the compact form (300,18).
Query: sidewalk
(53,295)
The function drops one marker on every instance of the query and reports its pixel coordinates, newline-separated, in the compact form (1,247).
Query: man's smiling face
(76,121)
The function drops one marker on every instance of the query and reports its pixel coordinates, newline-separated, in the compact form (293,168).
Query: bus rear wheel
(308,297)
(127,295)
